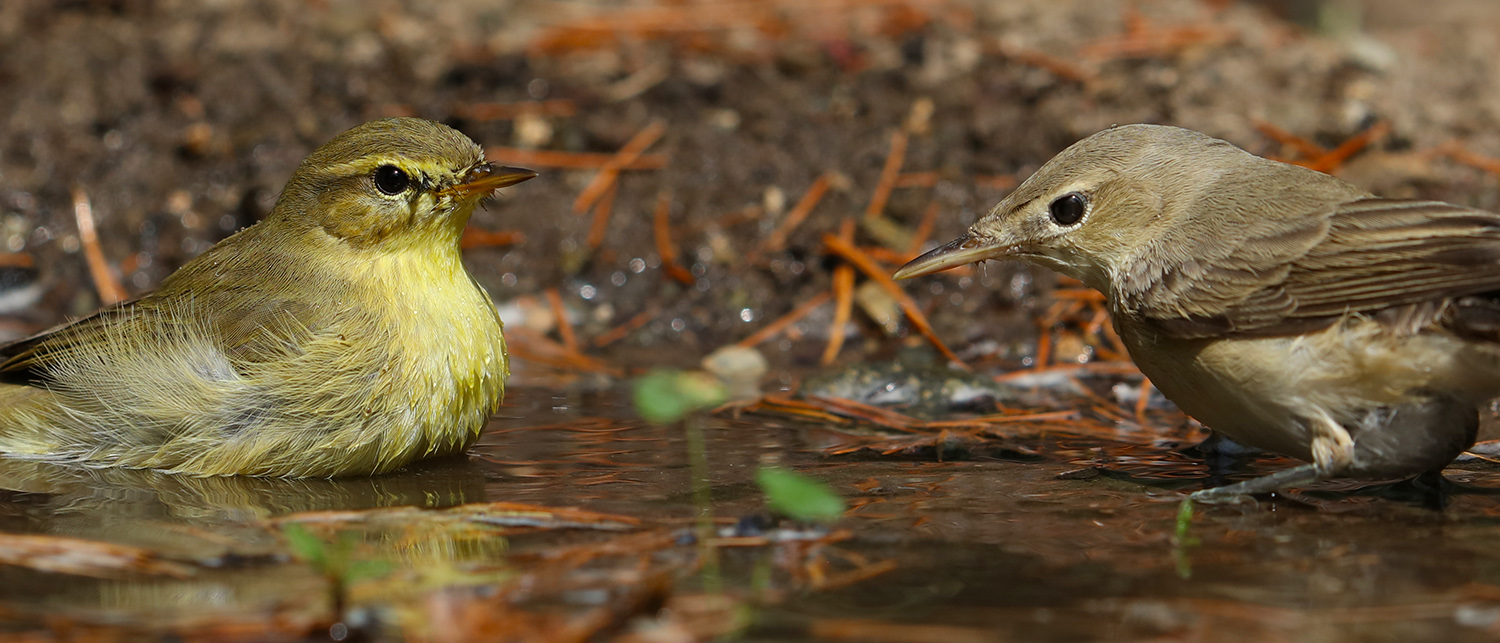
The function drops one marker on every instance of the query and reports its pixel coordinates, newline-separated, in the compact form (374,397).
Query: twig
(664,246)
(564,329)
(916,179)
(571,160)
(1142,41)
(777,239)
(1043,348)
(603,209)
(888,174)
(886,255)
(997,182)
(1060,67)
(611,170)
(17,260)
(532,347)
(620,332)
(504,111)
(1456,151)
(843,295)
(65,555)
(109,288)
(923,232)
(1317,157)
(1303,146)
(872,270)
(772,329)
(1332,160)
(476,238)
(1091,368)
(1144,400)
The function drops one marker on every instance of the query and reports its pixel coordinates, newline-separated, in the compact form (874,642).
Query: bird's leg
(1293,477)
(1332,447)
(1333,453)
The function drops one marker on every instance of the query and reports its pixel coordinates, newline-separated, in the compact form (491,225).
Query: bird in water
(340,336)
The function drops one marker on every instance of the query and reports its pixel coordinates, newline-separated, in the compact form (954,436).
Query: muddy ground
(180,121)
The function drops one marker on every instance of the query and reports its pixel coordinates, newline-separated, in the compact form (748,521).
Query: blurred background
(761,127)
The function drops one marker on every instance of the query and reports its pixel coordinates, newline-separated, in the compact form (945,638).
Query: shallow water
(1070,540)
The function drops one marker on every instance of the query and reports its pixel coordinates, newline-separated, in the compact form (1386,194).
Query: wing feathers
(1361,257)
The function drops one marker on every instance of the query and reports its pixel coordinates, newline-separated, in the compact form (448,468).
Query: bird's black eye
(391,180)
(1068,208)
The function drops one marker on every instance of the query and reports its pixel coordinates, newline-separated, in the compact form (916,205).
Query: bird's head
(1097,205)
(393,181)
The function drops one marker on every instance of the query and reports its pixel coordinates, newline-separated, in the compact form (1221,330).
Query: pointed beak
(960,251)
(486,178)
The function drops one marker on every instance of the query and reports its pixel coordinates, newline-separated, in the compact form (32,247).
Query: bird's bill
(487,177)
(958,252)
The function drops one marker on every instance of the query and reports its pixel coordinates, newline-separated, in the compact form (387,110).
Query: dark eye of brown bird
(1068,209)
(391,180)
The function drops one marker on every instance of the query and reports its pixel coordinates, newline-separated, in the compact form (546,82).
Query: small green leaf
(798,496)
(666,396)
(358,570)
(306,546)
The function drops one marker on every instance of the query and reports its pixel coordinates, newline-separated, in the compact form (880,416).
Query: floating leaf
(306,546)
(666,396)
(799,496)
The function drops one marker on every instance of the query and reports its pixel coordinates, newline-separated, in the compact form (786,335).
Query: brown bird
(1283,307)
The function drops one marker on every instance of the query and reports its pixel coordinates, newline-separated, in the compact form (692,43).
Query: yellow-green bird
(340,336)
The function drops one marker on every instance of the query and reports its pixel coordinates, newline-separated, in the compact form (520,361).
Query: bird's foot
(1241,491)
(1332,446)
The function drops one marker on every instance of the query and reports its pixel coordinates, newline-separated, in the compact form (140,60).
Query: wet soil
(983,548)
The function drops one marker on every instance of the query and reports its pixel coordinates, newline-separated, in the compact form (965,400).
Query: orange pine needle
(1457,152)
(109,288)
(17,260)
(1303,146)
(916,180)
(1043,349)
(606,28)
(564,329)
(603,210)
(611,170)
(1060,67)
(886,255)
(777,239)
(894,258)
(570,160)
(888,174)
(923,232)
(1002,418)
(843,295)
(1144,400)
(532,347)
(873,270)
(476,238)
(1332,160)
(1078,294)
(623,330)
(1092,368)
(1099,326)
(664,246)
(1114,338)
(774,328)
(1141,42)
(997,182)
(505,111)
